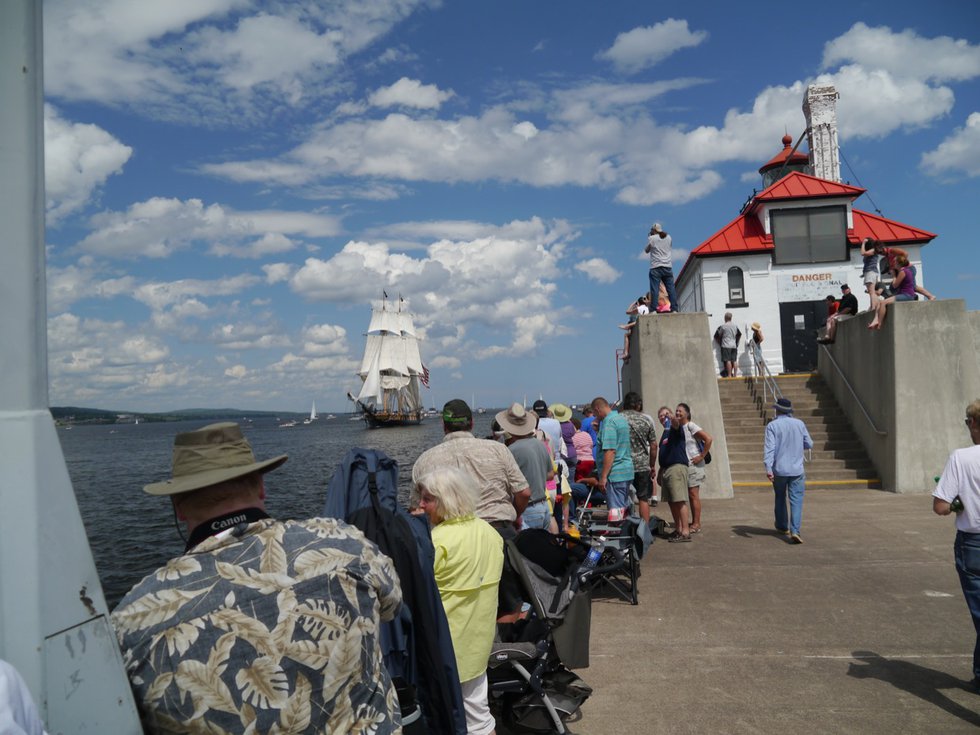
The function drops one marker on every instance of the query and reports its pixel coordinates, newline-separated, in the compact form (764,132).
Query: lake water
(132,533)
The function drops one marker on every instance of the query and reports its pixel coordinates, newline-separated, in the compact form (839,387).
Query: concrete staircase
(838,458)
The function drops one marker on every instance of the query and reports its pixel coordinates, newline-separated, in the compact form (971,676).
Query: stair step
(855,484)
(824,475)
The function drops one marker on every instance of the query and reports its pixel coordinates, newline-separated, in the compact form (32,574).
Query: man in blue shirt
(615,458)
(786,440)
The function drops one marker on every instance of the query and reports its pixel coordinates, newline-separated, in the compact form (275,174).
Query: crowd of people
(264,624)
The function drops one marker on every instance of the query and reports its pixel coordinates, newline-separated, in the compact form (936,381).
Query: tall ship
(391,370)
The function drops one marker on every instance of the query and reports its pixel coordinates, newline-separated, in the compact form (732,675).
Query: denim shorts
(904,297)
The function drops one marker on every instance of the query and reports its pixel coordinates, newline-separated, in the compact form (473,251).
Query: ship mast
(54,624)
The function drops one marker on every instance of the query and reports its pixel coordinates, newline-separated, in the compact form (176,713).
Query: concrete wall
(705,282)
(671,362)
(914,377)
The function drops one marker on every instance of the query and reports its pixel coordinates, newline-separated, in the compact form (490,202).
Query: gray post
(54,624)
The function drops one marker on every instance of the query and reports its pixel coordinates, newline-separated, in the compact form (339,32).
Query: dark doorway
(798,325)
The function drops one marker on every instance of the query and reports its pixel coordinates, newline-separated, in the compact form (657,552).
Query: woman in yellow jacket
(469,557)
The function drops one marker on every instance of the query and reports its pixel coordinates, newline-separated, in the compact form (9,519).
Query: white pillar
(54,625)
(820,109)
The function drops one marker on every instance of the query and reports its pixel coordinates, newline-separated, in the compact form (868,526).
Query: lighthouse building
(793,244)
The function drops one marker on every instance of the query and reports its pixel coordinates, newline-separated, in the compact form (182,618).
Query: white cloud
(444,361)
(495,278)
(207,61)
(644,47)
(410,93)
(277,272)
(236,371)
(248,336)
(159,227)
(599,270)
(78,159)
(162,294)
(958,153)
(905,54)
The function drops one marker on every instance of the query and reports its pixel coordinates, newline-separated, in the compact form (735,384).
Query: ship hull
(384,420)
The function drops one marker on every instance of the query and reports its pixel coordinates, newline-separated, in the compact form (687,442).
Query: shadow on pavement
(923,682)
(752,531)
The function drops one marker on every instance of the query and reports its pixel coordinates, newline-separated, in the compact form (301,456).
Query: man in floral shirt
(261,626)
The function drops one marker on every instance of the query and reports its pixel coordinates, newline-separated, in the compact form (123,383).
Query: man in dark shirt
(847,308)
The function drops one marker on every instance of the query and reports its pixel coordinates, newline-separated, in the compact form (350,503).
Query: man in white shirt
(958,491)
(661,265)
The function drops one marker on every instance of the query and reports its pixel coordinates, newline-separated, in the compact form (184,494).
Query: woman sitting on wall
(903,288)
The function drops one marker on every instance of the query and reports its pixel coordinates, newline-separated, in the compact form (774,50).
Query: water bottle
(592,559)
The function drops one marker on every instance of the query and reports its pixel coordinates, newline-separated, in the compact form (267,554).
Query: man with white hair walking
(661,264)
(786,440)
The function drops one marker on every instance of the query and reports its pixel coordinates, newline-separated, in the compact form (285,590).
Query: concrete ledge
(914,377)
(671,362)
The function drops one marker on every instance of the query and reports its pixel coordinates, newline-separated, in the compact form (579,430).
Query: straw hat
(209,456)
(516,420)
(561,412)
(756,326)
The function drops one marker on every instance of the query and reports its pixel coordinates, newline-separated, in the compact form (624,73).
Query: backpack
(417,645)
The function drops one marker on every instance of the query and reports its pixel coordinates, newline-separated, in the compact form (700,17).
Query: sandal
(696,530)
(675,537)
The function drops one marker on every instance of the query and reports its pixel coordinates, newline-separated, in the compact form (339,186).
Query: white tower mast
(54,625)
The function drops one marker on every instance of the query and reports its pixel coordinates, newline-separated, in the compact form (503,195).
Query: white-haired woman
(469,558)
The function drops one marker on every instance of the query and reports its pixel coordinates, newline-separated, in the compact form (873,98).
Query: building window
(736,288)
(813,235)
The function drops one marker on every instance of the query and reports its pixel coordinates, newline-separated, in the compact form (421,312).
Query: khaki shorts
(695,475)
(675,484)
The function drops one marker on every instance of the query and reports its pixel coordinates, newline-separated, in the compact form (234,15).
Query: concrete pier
(862,629)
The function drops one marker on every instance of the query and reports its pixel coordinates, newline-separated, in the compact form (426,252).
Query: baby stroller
(531,684)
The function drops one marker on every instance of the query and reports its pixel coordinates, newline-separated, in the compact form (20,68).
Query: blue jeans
(667,276)
(536,516)
(795,486)
(617,494)
(966,550)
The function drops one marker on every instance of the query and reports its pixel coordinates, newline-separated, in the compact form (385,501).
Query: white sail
(371,349)
(391,364)
(313,412)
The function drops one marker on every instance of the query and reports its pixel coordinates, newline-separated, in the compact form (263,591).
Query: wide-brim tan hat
(517,420)
(756,326)
(209,456)
(561,412)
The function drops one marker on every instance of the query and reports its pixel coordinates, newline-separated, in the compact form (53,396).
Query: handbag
(707,457)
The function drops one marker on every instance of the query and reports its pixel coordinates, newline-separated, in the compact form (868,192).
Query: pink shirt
(583,444)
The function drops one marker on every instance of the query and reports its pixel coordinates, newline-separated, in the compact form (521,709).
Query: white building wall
(707,282)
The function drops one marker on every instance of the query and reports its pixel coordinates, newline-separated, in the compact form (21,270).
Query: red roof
(797,185)
(744,234)
(787,153)
(887,230)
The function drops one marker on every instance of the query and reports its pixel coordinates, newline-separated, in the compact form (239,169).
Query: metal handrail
(843,377)
(769,384)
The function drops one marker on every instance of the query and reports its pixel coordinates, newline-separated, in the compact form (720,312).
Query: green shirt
(614,433)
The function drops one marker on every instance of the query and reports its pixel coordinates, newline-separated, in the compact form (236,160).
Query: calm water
(132,533)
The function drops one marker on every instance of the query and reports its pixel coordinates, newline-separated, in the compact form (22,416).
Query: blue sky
(231,184)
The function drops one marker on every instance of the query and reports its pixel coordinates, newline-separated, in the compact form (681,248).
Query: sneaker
(794,538)
(782,531)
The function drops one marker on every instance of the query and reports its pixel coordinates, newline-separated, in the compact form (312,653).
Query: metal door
(799,322)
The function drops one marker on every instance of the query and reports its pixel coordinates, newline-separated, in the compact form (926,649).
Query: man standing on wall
(958,491)
(661,264)
(786,440)
(727,337)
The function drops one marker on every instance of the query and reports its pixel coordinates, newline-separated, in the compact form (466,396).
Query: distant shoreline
(75,415)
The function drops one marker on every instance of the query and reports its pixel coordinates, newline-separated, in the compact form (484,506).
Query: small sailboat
(313,417)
